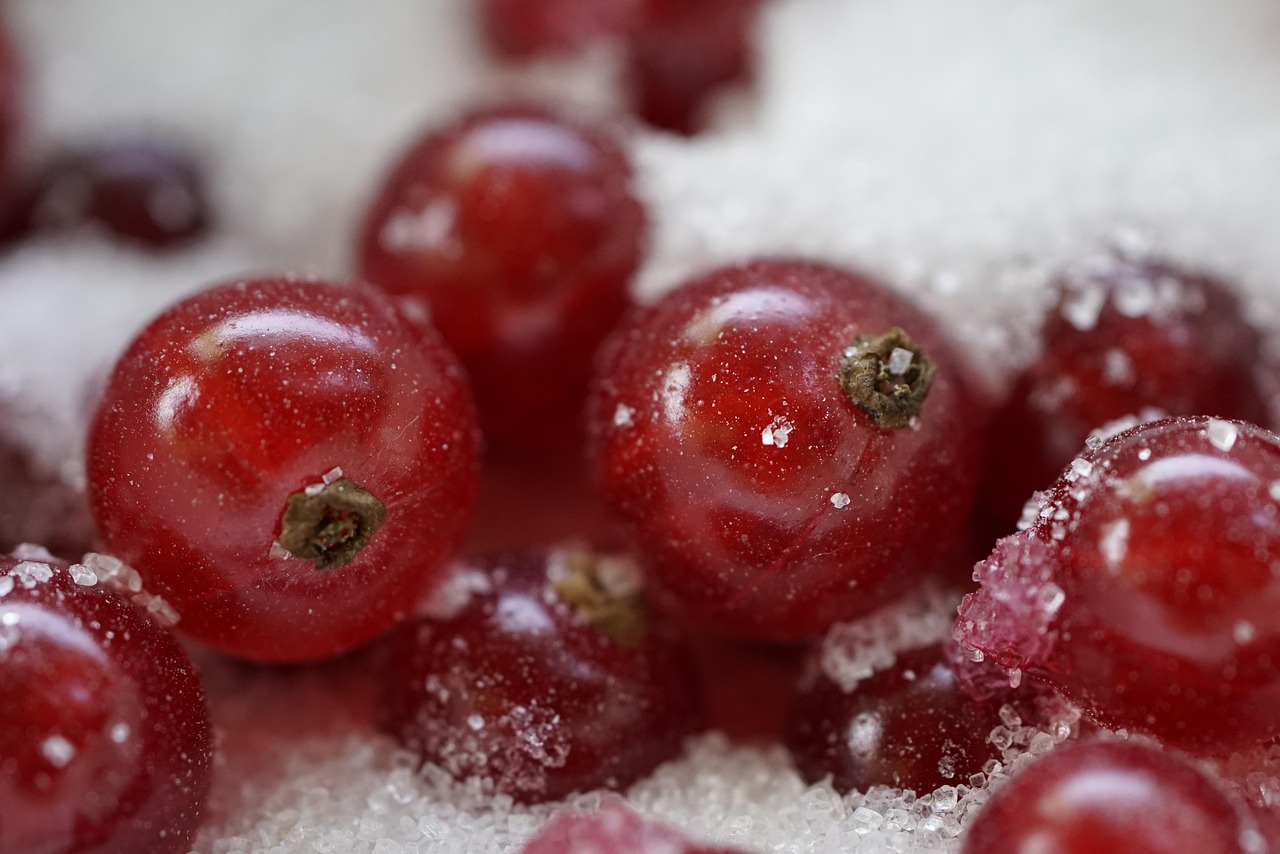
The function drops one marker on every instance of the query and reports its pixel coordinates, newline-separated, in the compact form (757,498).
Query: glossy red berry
(105,742)
(913,725)
(517,231)
(786,453)
(550,679)
(1124,335)
(617,829)
(1146,590)
(1112,796)
(523,28)
(289,463)
(135,189)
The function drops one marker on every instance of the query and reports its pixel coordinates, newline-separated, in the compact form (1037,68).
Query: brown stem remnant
(330,525)
(888,376)
(620,611)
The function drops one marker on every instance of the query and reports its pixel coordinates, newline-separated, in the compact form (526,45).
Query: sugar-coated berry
(289,463)
(791,443)
(552,678)
(614,828)
(1112,796)
(105,741)
(1146,588)
(1125,334)
(913,725)
(523,28)
(516,230)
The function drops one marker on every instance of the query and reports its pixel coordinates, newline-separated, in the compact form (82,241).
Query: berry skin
(289,463)
(1111,796)
(523,28)
(105,742)
(911,726)
(551,679)
(726,436)
(516,230)
(1145,590)
(1124,335)
(615,828)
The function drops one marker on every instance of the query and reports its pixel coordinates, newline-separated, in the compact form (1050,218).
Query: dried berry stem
(329,526)
(888,376)
(621,615)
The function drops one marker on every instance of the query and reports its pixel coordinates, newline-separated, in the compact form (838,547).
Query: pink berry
(552,678)
(523,28)
(1124,335)
(290,463)
(1146,590)
(615,828)
(517,231)
(1111,796)
(105,742)
(787,455)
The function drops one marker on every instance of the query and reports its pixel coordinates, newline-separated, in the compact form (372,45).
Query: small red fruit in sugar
(913,725)
(552,678)
(289,463)
(617,829)
(1146,589)
(516,230)
(1125,334)
(105,742)
(793,445)
(1112,796)
(524,28)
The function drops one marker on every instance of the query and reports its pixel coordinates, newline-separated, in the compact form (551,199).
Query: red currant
(912,726)
(550,679)
(1146,590)
(615,828)
(290,463)
(787,454)
(1111,796)
(105,743)
(522,28)
(516,230)
(1124,335)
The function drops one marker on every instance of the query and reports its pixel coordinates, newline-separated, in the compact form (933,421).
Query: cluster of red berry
(285,469)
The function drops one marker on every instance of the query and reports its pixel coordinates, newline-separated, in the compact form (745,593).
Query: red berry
(1111,796)
(786,454)
(516,230)
(912,726)
(523,28)
(290,463)
(616,829)
(105,743)
(1124,335)
(551,679)
(135,189)
(684,52)
(1146,591)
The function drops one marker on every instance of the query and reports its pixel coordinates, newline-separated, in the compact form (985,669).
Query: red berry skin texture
(1146,591)
(518,29)
(769,504)
(615,828)
(105,741)
(289,463)
(1111,796)
(517,231)
(540,683)
(910,726)
(1123,336)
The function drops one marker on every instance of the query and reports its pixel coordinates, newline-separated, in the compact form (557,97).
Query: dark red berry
(290,463)
(524,28)
(1146,590)
(912,726)
(616,829)
(105,743)
(786,453)
(1124,335)
(517,232)
(552,678)
(1112,796)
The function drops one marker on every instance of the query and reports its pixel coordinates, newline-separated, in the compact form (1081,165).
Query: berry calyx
(888,376)
(330,525)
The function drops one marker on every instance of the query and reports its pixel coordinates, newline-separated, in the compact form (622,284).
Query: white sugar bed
(962,150)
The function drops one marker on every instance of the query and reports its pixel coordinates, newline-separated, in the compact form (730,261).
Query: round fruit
(289,463)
